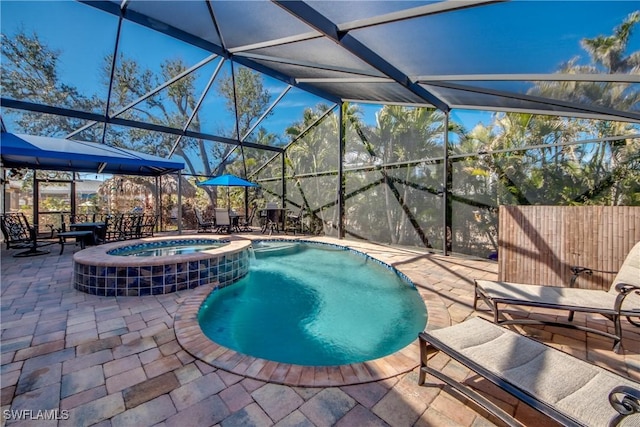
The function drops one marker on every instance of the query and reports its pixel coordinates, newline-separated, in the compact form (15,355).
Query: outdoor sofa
(621,300)
(569,390)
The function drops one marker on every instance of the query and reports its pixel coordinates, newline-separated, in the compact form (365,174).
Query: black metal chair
(203,226)
(18,234)
(247,221)
(293,221)
(130,226)
(148,225)
(112,227)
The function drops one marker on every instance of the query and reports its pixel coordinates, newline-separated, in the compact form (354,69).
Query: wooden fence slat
(539,244)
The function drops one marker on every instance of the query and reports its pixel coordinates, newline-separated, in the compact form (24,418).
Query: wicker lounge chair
(569,390)
(622,299)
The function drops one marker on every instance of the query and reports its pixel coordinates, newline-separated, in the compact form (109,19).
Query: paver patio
(110,361)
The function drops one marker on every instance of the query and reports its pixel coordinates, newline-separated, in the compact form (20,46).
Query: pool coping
(193,340)
(99,256)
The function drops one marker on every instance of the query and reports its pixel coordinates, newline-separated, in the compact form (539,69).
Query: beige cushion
(571,386)
(582,299)
(630,270)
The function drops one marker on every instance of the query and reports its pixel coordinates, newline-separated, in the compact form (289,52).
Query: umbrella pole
(246,202)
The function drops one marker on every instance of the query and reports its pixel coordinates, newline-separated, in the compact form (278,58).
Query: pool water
(314,305)
(167,248)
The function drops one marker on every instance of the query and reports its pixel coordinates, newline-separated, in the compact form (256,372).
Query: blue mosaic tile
(160,279)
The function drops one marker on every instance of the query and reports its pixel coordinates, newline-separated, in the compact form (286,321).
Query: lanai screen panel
(505,42)
(394,172)
(499,56)
(269,177)
(320,45)
(313,166)
(88,93)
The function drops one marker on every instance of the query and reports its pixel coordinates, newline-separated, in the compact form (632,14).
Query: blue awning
(39,152)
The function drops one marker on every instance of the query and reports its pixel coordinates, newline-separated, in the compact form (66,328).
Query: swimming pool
(314,304)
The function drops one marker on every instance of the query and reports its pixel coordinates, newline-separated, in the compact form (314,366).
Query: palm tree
(403,134)
(315,153)
(607,54)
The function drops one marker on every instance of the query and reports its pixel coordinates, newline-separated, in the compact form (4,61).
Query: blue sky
(85,42)
(85,35)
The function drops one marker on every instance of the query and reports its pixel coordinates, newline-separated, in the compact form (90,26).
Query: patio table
(275,218)
(235,221)
(94,227)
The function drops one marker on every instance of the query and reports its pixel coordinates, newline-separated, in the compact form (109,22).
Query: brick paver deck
(110,361)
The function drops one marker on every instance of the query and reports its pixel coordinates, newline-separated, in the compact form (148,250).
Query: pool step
(264,250)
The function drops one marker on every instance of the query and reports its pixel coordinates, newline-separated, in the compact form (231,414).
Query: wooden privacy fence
(539,244)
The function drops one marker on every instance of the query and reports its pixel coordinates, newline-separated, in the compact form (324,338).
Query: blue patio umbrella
(228,180)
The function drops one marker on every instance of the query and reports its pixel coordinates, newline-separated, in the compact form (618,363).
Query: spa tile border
(98,271)
(193,340)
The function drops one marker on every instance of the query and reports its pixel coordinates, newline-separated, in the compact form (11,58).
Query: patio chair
(293,221)
(130,226)
(274,216)
(203,226)
(571,391)
(148,225)
(223,220)
(112,227)
(18,234)
(247,221)
(72,219)
(621,300)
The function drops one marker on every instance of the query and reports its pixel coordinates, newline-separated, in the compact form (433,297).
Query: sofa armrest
(577,270)
(625,400)
(624,290)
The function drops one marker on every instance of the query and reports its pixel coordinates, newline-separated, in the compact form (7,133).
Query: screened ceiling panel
(237,18)
(373,92)
(620,93)
(467,54)
(318,53)
(477,98)
(511,37)
(404,42)
(310,71)
(359,10)
(194,19)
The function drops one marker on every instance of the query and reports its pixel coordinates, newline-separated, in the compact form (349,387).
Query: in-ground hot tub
(171,264)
